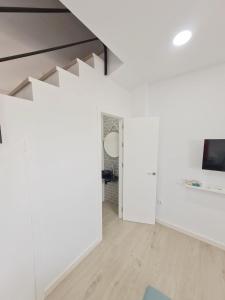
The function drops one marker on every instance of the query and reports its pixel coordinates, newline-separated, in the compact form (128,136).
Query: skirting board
(70,268)
(191,234)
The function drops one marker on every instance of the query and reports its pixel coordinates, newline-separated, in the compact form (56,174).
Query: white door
(140,169)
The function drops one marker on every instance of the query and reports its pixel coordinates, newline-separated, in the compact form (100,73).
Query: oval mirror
(111,144)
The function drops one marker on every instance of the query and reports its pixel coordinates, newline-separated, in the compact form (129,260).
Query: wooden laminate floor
(133,256)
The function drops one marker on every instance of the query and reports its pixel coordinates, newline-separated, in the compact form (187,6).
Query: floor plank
(133,256)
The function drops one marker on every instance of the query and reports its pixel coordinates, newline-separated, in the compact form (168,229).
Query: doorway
(112,156)
(129,167)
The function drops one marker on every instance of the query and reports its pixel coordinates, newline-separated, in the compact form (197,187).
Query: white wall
(16,248)
(61,130)
(140,96)
(191,108)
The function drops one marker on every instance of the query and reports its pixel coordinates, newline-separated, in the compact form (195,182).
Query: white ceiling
(140,33)
(22,32)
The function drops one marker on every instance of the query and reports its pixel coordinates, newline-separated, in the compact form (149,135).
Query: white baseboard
(192,234)
(69,269)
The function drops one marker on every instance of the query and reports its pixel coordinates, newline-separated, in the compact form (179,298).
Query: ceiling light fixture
(182,38)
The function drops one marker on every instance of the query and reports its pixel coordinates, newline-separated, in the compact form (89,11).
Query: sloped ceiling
(140,33)
(20,33)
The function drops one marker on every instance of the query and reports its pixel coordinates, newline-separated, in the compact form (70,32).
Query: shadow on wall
(195,154)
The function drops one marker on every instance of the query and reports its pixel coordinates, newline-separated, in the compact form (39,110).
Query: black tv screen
(214,155)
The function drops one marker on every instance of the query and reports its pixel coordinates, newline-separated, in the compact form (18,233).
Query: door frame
(120,181)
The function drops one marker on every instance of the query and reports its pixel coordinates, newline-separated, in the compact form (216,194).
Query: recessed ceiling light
(182,38)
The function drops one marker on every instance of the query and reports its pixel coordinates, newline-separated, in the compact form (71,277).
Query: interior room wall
(111,189)
(140,96)
(17,250)
(191,108)
(50,179)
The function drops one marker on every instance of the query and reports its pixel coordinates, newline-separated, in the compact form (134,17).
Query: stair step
(72,67)
(48,74)
(95,62)
(79,67)
(89,60)
(67,79)
(24,83)
(23,90)
(76,66)
(54,76)
(51,77)
(92,60)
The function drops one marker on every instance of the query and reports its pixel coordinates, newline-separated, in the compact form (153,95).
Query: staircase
(56,76)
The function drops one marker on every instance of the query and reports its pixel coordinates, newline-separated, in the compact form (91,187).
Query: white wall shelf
(218,190)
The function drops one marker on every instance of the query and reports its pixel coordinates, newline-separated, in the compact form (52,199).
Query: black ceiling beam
(105,60)
(12,57)
(13,9)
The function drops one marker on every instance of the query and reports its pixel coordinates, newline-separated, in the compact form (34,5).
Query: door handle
(151,173)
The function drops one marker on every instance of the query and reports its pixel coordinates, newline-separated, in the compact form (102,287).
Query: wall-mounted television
(214,155)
